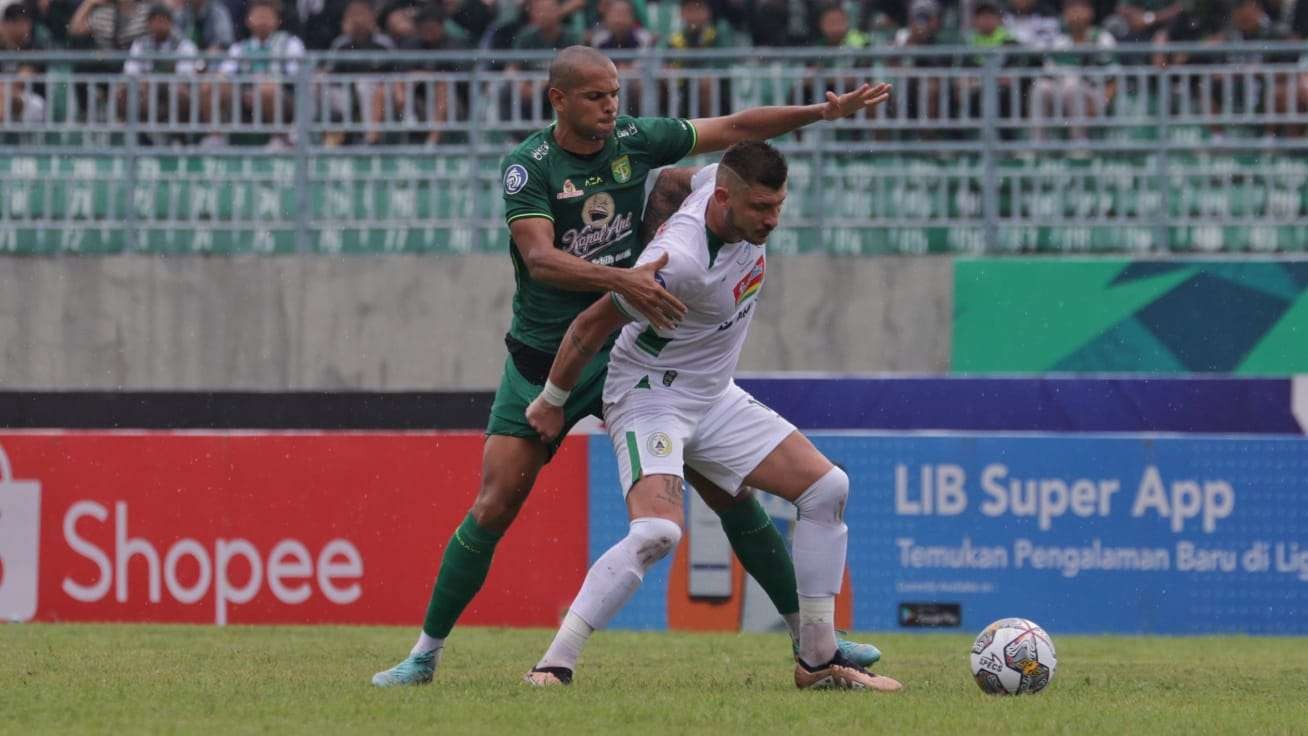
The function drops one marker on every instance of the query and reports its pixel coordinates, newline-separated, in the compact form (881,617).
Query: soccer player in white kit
(670,401)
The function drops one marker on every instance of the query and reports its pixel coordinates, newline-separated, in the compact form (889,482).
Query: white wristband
(553,395)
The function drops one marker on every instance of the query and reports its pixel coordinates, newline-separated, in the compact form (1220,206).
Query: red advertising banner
(333,527)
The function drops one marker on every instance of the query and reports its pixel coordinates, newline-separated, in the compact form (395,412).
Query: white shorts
(724,441)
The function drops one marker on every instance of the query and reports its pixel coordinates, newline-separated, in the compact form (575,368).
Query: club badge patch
(621,167)
(659,444)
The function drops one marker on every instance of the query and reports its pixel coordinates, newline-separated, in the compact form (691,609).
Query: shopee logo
(289,569)
(20,543)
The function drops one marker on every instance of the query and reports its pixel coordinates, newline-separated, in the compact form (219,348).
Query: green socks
(761,550)
(463,569)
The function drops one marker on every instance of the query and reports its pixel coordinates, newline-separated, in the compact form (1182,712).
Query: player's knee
(824,501)
(655,538)
(495,511)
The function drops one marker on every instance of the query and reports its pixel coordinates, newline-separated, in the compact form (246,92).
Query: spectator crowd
(223,61)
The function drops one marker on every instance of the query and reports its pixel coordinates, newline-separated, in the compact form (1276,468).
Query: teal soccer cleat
(863,655)
(416,669)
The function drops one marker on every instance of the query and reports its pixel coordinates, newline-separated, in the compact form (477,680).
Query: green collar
(714,245)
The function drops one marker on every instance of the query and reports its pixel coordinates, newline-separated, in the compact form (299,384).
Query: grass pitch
(189,679)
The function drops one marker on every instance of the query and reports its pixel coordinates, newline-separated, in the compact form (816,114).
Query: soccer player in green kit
(575,200)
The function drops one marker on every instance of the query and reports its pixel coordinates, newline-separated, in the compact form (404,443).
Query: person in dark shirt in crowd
(1251,23)
(699,30)
(544,31)
(361,100)
(398,20)
(422,96)
(1139,21)
(315,22)
(619,31)
(475,17)
(207,23)
(922,96)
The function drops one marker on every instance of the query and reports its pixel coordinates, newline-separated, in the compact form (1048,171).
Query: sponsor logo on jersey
(627,130)
(570,191)
(598,210)
(621,167)
(593,181)
(515,178)
(659,444)
(601,226)
(752,282)
(669,377)
(736,318)
(539,152)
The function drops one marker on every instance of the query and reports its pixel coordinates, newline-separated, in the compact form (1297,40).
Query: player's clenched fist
(545,418)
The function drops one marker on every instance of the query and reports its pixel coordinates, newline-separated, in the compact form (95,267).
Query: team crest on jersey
(752,282)
(621,167)
(570,191)
(659,444)
(515,178)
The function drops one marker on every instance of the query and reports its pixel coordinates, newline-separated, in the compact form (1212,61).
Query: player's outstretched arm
(534,237)
(762,123)
(584,338)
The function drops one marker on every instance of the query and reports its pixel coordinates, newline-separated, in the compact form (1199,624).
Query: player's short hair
(756,162)
(567,67)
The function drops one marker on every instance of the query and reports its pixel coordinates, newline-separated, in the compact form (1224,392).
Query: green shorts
(509,412)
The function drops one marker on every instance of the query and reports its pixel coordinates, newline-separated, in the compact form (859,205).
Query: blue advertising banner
(1081,533)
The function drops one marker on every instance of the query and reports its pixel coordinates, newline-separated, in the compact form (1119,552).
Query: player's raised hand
(866,97)
(545,418)
(642,290)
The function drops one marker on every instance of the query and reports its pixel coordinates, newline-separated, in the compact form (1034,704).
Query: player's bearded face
(754,212)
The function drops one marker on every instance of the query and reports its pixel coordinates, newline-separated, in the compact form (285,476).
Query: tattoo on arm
(671,490)
(580,346)
(670,190)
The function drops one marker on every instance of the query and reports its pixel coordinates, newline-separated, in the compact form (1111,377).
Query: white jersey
(718,282)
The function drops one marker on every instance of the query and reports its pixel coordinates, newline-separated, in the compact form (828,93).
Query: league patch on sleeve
(515,178)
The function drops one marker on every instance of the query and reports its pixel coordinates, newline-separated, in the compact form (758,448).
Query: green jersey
(596,203)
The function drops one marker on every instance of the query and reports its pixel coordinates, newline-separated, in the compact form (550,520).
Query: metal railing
(1187,147)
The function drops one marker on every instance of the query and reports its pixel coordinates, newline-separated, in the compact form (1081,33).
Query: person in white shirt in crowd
(1066,94)
(257,75)
(161,51)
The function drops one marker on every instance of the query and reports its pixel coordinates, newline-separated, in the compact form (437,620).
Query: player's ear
(721,194)
(557,96)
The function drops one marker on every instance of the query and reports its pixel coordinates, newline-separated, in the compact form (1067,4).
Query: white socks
(426,644)
(817,630)
(821,535)
(819,549)
(565,650)
(611,582)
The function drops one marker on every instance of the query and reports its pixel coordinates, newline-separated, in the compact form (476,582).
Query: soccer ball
(1013,656)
